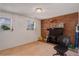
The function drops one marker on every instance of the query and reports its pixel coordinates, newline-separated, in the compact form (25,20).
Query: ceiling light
(38,10)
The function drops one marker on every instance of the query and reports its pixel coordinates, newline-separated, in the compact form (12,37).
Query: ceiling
(49,9)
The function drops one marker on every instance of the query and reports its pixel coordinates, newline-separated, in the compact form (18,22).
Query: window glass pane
(5,23)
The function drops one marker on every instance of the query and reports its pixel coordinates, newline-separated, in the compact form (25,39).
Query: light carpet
(34,49)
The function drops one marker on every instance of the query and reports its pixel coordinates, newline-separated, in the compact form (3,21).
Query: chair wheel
(57,54)
(65,55)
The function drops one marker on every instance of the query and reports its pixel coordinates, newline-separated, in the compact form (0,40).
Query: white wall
(20,35)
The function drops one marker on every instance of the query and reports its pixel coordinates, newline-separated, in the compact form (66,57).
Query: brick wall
(78,17)
(69,20)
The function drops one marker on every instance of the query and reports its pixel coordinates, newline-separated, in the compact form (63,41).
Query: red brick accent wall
(78,17)
(69,20)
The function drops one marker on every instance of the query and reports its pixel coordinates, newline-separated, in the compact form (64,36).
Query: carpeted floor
(34,49)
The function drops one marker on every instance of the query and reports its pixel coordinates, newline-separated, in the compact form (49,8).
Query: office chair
(62,47)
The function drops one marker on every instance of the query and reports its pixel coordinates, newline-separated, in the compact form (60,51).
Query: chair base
(58,54)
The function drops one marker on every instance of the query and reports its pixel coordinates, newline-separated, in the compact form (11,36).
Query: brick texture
(78,17)
(69,20)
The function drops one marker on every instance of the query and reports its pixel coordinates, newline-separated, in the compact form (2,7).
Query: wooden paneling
(69,20)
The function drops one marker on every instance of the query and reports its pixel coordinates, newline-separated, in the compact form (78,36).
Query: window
(5,23)
(31,25)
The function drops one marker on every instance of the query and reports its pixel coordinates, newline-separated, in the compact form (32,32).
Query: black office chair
(62,47)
